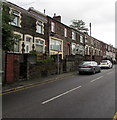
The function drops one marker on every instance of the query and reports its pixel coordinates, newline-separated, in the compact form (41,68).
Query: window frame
(28,43)
(39,44)
(73,35)
(81,39)
(52,26)
(65,32)
(55,44)
(40,24)
(17,17)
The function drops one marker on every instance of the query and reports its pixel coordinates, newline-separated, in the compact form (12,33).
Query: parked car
(106,64)
(89,67)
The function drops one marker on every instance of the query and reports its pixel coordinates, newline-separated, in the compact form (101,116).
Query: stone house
(31,26)
(59,37)
(63,39)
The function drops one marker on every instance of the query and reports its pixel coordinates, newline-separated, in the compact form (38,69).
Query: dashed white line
(96,79)
(60,95)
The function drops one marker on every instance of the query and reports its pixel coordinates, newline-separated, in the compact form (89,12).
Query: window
(28,46)
(92,42)
(16,20)
(73,48)
(56,45)
(86,41)
(52,27)
(81,39)
(16,45)
(65,32)
(86,50)
(73,35)
(40,45)
(40,27)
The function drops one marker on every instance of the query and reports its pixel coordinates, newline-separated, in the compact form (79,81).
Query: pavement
(27,83)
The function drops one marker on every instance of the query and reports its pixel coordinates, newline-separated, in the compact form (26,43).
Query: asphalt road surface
(77,96)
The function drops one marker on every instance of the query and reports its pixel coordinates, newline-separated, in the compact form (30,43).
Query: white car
(106,64)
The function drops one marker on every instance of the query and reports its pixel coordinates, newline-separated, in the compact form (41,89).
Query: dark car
(89,67)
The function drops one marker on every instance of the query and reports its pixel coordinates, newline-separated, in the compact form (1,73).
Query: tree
(8,38)
(79,25)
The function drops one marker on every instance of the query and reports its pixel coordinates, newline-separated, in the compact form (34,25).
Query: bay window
(40,45)
(56,45)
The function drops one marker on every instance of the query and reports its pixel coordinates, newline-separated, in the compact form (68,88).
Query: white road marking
(60,95)
(96,79)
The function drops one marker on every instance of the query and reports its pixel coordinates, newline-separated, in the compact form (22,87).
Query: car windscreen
(104,61)
(86,63)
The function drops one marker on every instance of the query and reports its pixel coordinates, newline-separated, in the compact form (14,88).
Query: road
(77,96)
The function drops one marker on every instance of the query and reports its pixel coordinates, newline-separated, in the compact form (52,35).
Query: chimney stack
(58,18)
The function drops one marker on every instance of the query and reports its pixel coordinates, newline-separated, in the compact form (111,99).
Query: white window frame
(41,25)
(16,14)
(81,39)
(28,43)
(56,40)
(65,32)
(73,35)
(73,49)
(40,39)
(52,26)
(20,42)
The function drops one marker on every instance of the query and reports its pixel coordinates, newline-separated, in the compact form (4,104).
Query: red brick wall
(12,67)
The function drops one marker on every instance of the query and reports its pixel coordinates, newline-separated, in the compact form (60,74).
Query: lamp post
(58,63)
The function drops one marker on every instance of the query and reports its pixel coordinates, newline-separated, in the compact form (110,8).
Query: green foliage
(79,25)
(8,38)
(34,52)
(48,60)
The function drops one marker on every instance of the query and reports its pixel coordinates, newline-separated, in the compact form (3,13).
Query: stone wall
(40,70)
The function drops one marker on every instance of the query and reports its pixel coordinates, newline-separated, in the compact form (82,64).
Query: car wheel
(99,70)
(94,71)
(80,73)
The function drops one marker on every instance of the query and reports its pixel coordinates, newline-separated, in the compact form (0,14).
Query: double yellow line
(32,85)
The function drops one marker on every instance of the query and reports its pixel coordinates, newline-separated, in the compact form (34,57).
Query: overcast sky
(101,13)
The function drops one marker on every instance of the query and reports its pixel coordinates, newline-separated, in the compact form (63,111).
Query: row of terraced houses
(49,36)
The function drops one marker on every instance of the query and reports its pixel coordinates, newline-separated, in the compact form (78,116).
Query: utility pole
(90,28)
(58,62)
(90,37)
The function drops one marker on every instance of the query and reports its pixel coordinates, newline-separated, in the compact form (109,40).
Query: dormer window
(16,18)
(40,27)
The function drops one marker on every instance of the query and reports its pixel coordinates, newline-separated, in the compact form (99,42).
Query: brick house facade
(30,26)
(50,36)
